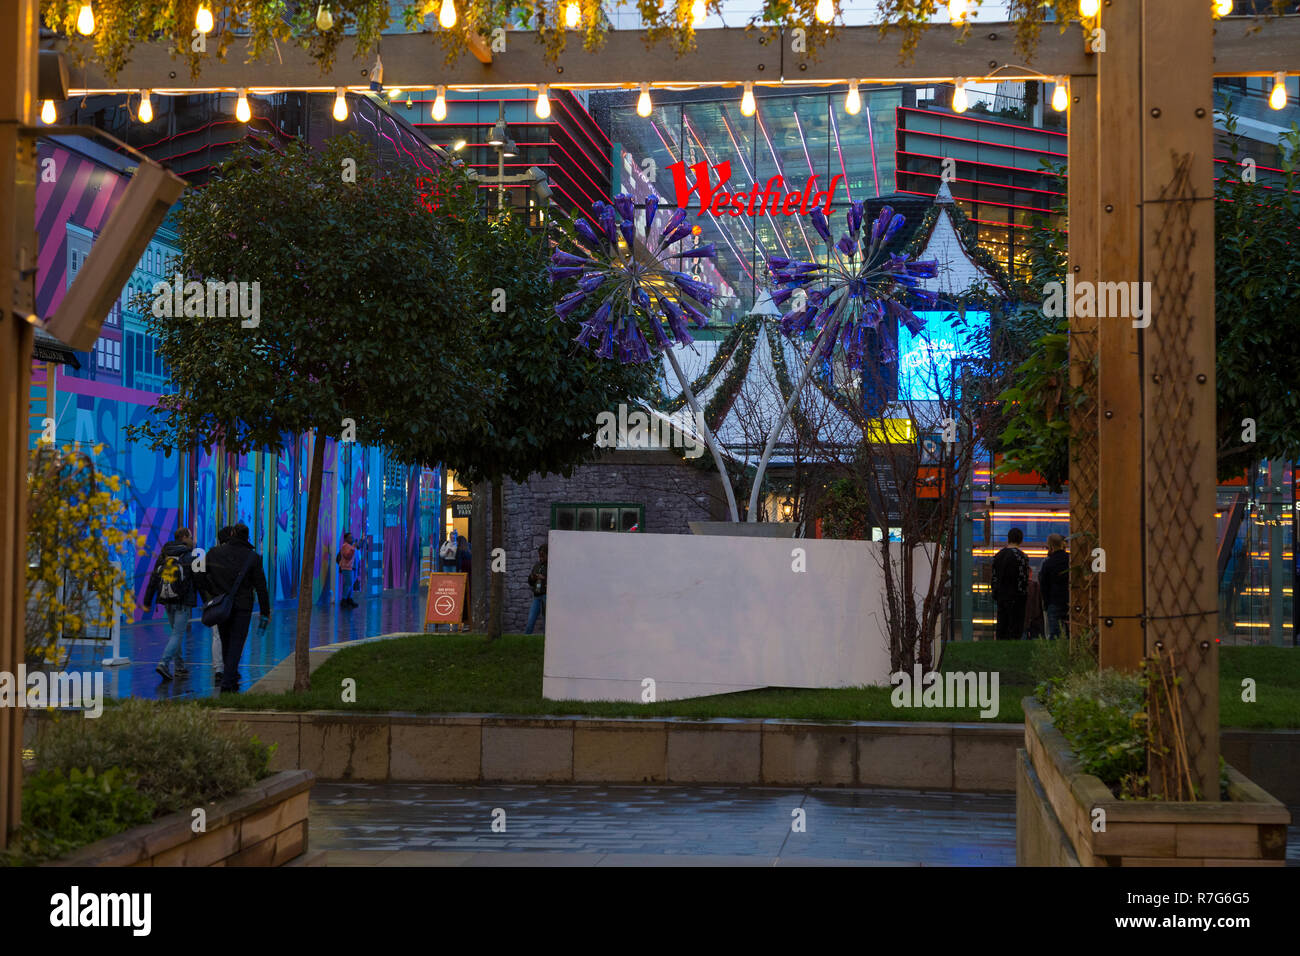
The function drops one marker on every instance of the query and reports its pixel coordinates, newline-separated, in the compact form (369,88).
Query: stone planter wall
(476,748)
(1055,813)
(264,825)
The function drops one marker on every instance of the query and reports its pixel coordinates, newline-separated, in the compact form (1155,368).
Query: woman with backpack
(174,585)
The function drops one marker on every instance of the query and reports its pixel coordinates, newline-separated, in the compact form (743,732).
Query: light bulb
(697,13)
(203,19)
(85,20)
(324,19)
(440,105)
(146,108)
(394,92)
(1061,95)
(825,11)
(747,101)
(1222,7)
(958,11)
(1089,8)
(543,107)
(853,101)
(48,113)
(643,105)
(959,95)
(572,15)
(1277,99)
(242,112)
(340,105)
(447,15)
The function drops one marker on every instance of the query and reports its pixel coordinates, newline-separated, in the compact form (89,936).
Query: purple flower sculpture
(644,303)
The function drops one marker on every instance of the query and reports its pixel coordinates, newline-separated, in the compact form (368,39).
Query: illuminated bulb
(146,108)
(203,19)
(242,112)
(543,107)
(440,105)
(340,105)
(572,15)
(1222,7)
(958,10)
(1061,95)
(394,93)
(959,95)
(48,114)
(643,105)
(1277,99)
(85,20)
(747,101)
(1089,8)
(853,102)
(324,19)
(447,15)
(697,13)
(825,11)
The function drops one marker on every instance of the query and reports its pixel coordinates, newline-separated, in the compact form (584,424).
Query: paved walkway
(393,612)
(437,825)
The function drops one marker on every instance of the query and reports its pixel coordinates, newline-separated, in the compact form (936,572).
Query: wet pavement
(425,824)
(390,613)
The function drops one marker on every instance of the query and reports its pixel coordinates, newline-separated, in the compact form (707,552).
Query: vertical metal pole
(501,162)
(1276,569)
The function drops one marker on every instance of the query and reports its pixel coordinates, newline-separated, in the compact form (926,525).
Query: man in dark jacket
(173,584)
(1011,587)
(225,562)
(1054,582)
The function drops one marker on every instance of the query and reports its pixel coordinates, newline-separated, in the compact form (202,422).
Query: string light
(440,105)
(447,15)
(340,105)
(958,11)
(1222,7)
(48,113)
(697,13)
(643,105)
(203,19)
(959,102)
(543,107)
(1277,99)
(572,15)
(394,92)
(146,108)
(852,101)
(85,20)
(1089,8)
(242,112)
(1061,95)
(747,100)
(324,19)
(825,11)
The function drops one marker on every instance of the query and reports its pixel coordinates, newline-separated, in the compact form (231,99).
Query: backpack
(174,585)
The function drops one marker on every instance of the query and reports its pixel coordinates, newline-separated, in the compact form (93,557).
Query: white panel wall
(710,615)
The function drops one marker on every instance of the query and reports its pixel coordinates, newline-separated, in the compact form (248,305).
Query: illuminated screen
(925,359)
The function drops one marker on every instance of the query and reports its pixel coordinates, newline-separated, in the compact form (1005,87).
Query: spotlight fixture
(510,150)
(498,135)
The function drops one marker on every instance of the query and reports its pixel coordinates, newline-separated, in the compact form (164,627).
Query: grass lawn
(462,673)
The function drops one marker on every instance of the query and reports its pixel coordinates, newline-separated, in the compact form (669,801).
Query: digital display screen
(925,371)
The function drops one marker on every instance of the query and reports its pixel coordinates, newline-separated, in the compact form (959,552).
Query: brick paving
(441,825)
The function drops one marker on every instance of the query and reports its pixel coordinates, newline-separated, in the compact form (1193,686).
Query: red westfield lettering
(773,199)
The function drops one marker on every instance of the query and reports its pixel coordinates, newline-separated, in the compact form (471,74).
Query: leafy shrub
(63,811)
(179,753)
(1051,662)
(1102,715)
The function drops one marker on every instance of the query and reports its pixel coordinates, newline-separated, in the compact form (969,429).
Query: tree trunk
(301,672)
(498,578)
(478,542)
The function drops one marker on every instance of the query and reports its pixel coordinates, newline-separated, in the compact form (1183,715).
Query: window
(600,516)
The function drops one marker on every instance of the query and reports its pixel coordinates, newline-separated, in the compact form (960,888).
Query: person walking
(537,581)
(1011,587)
(1054,582)
(235,568)
(173,585)
(347,554)
(223,537)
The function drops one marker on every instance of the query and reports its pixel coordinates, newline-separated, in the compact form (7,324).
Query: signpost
(446,601)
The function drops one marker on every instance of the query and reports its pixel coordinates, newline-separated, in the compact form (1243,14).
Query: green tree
(543,417)
(359,319)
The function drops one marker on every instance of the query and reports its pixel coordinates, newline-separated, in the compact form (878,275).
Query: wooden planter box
(1057,823)
(265,825)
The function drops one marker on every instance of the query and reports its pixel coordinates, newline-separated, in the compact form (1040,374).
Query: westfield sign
(772,200)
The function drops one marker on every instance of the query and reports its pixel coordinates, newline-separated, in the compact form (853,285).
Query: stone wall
(672,491)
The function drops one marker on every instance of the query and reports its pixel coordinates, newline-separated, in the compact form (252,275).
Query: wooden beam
(415,60)
(1119,425)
